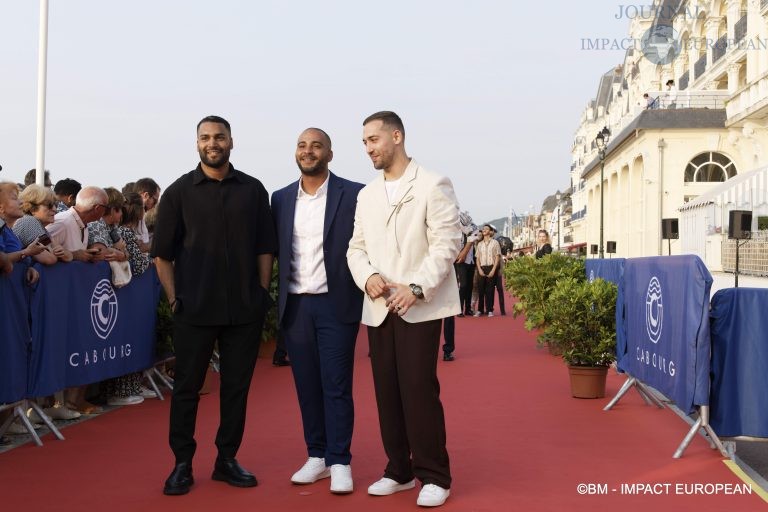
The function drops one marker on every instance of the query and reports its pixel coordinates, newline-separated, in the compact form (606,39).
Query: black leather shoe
(180,480)
(281,362)
(228,470)
(448,356)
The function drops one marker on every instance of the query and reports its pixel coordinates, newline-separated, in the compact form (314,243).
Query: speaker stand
(736,271)
(669,247)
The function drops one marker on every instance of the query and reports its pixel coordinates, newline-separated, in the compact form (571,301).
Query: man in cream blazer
(405,240)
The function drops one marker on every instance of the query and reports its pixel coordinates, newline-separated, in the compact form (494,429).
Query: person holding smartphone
(38,205)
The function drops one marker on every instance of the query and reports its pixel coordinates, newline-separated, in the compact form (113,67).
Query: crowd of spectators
(57,224)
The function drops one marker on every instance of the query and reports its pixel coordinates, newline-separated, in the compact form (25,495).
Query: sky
(490,92)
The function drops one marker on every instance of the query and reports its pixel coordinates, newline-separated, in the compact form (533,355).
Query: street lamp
(558,196)
(602,144)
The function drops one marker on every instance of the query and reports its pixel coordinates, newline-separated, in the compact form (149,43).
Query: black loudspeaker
(669,229)
(593,249)
(610,247)
(739,224)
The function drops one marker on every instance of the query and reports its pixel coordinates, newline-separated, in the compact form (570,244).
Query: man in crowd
(405,240)
(487,259)
(70,227)
(149,191)
(319,306)
(66,191)
(70,230)
(213,245)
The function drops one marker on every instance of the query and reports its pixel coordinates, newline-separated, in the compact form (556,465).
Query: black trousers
(486,291)
(411,418)
(500,289)
(449,334)
(238,349)
(466,274)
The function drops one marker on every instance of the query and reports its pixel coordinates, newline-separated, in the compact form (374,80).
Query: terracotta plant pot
(588,381)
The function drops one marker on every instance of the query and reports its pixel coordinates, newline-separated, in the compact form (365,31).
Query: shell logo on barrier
(654,310)
(591,275)
(103,309)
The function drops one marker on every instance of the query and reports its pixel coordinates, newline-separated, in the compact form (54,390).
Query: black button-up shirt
(213,232)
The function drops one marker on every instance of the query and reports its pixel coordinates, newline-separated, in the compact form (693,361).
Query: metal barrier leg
(645,392)
(166,382)
(702,422)
(150,378)
(624,388)
(55,431)
(648,393)
(22,415)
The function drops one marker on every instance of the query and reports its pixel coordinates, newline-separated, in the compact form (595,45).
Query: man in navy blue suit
(319,306)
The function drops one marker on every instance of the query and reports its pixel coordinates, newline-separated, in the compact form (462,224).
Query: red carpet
(517,441)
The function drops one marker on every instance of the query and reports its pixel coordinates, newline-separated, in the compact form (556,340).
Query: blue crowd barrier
(14,335)
(738,401)
(665,326)
(609,270)
(73,328)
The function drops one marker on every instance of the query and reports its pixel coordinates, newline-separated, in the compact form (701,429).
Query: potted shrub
(532,281)
(583,323)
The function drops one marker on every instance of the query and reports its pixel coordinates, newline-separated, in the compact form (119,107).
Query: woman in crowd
(38,205)
(127,390)
(543,246)
(10,212)
(103,233)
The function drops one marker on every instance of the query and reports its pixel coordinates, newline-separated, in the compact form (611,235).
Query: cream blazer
(415,239)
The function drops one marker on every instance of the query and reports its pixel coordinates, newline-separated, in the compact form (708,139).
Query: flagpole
(42,80)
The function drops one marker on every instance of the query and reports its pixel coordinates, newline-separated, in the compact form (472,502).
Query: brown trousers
(411,419)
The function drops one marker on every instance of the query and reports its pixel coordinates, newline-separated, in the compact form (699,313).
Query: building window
(710,166)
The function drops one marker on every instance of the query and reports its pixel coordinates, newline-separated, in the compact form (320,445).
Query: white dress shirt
(307,263)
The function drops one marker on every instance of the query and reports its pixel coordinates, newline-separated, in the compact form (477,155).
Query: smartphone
(44,239)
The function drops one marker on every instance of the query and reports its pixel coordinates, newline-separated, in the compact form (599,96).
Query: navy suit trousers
(322,351)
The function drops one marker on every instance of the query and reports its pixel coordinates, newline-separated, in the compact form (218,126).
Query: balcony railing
(685,78)
(690,99)
(700,66)
(719,48)
(740,30)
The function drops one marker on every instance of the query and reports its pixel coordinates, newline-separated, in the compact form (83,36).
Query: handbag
(121,273)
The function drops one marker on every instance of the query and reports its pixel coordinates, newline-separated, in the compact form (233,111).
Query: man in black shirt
(213,245)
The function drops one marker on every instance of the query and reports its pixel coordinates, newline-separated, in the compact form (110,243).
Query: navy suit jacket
(346,297)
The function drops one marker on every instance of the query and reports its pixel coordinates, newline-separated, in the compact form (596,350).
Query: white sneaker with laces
(312,471)
(128,400)
(341,479)
(490,314)
(432,495)
(387,486)
(59,412)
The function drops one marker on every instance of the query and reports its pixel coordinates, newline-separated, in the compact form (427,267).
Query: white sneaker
(387,486)
(476,314)
(490,314)
(17,428)
(312,471)
(432,495)
(341,479)
(128,400)
(147,393)
(58,412)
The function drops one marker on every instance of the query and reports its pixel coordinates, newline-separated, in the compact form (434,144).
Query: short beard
(218,163)
(316,169)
